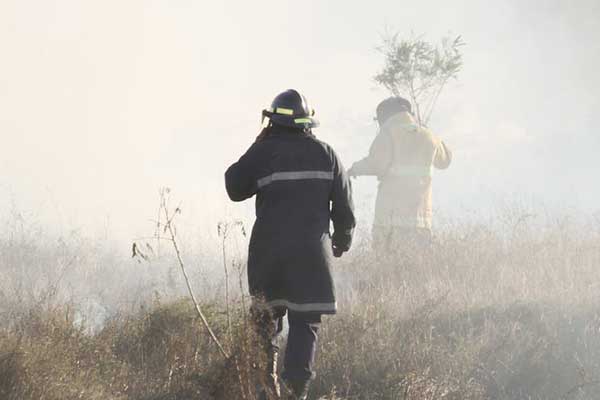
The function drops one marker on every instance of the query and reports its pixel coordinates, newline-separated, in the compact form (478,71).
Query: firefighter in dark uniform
(300,186)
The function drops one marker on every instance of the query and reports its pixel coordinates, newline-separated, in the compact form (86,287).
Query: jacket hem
(323,308)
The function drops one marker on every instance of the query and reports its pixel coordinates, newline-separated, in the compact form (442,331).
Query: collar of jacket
(403,118)
(285,131)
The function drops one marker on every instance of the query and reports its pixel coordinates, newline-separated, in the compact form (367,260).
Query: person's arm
(443,156)
(378,160)
(342,209)
(241,180)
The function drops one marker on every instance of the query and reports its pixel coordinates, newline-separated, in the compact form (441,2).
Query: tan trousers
(400,244)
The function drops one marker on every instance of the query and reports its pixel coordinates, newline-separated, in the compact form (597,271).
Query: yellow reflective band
(302,120)
(284,111)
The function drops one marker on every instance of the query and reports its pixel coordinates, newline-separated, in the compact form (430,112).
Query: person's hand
(352,173)
(337,251)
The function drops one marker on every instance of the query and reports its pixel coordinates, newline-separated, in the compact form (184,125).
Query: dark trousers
(299,359)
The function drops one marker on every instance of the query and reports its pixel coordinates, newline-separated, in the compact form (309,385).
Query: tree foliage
(419,69)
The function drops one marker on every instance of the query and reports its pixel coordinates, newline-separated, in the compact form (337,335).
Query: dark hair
(273,127)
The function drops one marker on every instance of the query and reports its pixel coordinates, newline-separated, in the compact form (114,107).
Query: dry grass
(507,310)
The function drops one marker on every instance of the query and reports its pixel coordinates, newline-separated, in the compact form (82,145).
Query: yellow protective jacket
(403,156)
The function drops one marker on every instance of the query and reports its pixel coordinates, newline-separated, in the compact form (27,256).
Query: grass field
(502,310)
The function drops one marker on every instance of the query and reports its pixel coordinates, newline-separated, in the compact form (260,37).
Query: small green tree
(420,69)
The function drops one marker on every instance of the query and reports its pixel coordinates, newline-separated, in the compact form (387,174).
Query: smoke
(103,103)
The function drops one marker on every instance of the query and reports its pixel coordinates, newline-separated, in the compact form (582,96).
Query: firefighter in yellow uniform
(402,157)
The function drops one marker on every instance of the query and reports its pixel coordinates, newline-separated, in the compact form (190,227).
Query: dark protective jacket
(300,185)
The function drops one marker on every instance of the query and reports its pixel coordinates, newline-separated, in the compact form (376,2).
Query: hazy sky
(103,102)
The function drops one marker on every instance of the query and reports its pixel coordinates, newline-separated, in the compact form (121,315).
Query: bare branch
(169,228)
(418,69)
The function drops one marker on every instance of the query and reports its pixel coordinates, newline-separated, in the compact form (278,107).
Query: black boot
(297,389)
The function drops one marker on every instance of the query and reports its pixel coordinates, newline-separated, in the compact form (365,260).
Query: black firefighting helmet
(291,109)
(391,106)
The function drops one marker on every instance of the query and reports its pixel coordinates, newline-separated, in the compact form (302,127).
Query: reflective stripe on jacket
(403,156)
